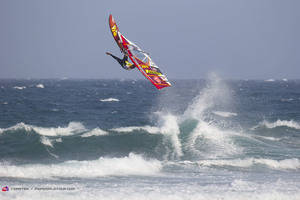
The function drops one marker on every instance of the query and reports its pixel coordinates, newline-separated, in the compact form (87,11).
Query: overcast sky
(238,39)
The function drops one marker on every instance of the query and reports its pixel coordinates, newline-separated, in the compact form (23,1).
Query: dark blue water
(124,139)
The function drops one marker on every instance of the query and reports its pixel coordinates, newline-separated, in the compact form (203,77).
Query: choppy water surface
(113,139)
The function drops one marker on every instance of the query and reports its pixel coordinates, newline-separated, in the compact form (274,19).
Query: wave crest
(72,128)
(128,129)
(95,132)
(109,100)
(133,164)
(293,163)
(280,123)
(224,114)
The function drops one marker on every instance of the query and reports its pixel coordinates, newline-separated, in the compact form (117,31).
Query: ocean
(207,139)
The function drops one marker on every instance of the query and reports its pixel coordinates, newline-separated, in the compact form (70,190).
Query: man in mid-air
(123,62)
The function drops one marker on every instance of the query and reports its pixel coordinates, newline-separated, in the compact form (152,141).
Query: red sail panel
(139,58)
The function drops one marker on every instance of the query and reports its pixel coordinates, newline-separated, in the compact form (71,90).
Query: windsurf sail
(139,58)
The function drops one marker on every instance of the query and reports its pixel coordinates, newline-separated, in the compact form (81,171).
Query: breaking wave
(19,87)
(169,128)
(40,86)
(95,132)
(281,123)
(71,129)
(293,163)
(129,129)
(109,100)
(133,164)
(215,142)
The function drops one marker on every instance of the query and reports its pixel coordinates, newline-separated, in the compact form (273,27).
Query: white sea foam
(233,163)
(286,164)
(220,141)
(293,163)
(236,189)
(132,164)
(46,141)
(109,100)
(95,132)
(40,86)
(19,87)
(284,79)
(225,114)
(71,129)
(149,129)
(268,138)
(17,127)
(280,123)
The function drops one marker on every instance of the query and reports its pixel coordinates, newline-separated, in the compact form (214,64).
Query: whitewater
(111,139)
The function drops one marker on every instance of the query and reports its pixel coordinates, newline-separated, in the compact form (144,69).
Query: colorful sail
(139,58)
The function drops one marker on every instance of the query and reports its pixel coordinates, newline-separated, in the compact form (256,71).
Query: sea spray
(46,141)
(213,141)
(206,138)
(170,129)
(215,94)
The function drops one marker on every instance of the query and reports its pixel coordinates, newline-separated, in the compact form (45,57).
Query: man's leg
(120,61)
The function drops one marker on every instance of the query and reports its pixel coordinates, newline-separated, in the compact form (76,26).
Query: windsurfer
(123,62)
